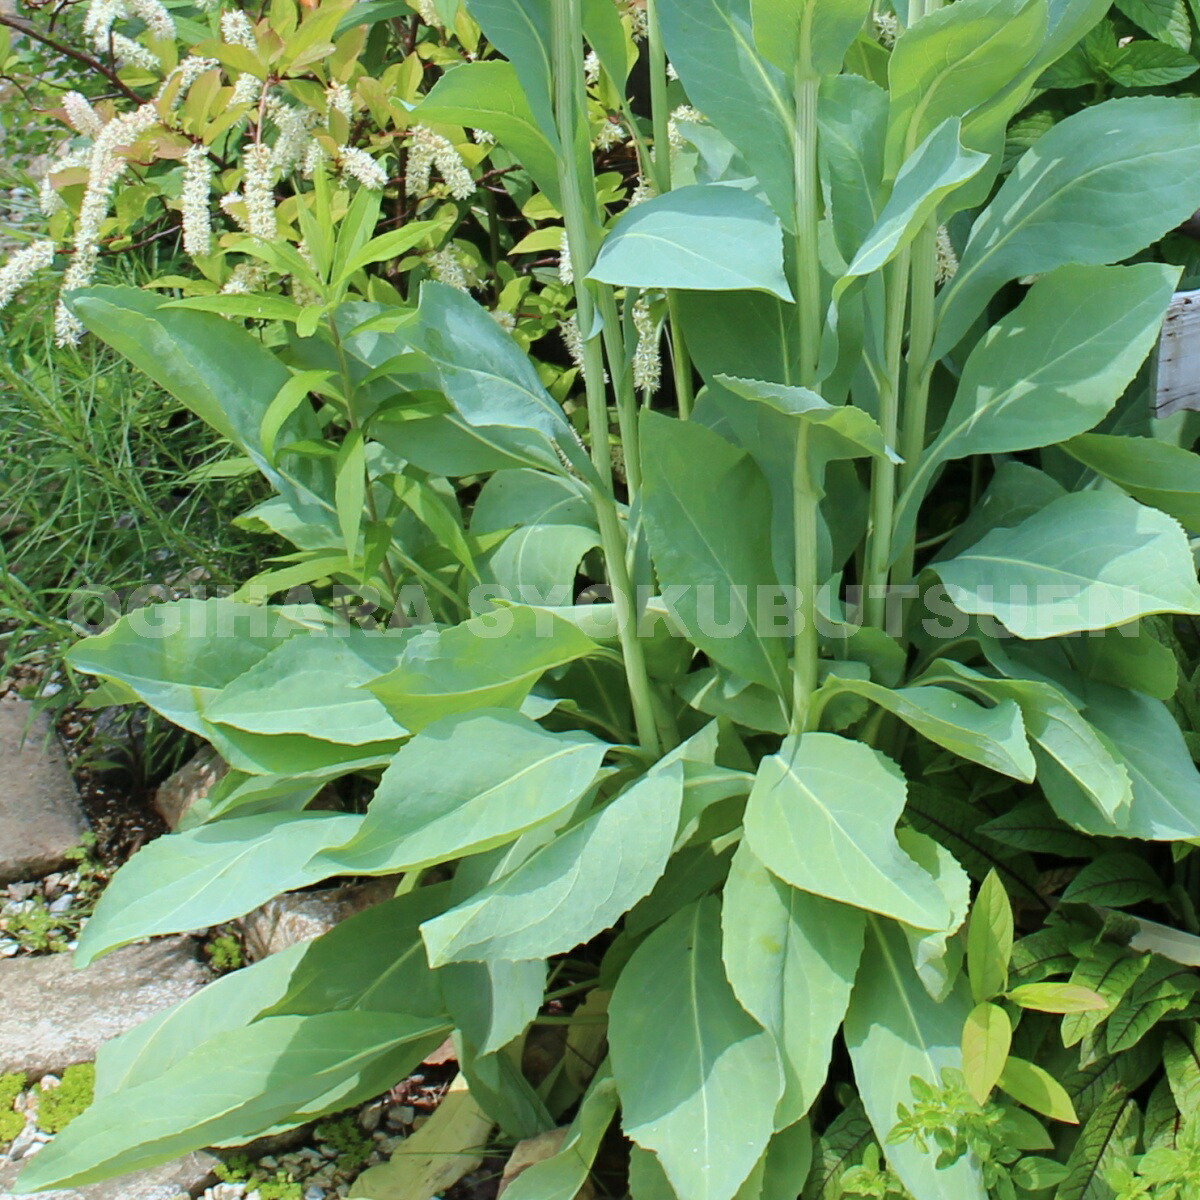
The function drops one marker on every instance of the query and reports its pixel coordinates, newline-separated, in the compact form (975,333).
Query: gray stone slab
(40,817)
(187,1177)
(52,1016)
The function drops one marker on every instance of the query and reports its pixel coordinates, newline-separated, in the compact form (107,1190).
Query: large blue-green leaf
(711,44)
(1044,216)
(791,958)
(490,661)
(1050,369)
(521,31)
(699,1080)
(208,875)
(232,1087)
(177,658)
(706,238)
(895,1030)
(1088,560)
(954,59)
(491,383)
(822,816)
(812,36)
(574,887)
(488,96)
(707,509)
(464,785)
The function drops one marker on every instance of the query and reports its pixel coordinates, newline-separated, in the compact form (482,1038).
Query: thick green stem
(612,542)
(920,370)
(627,405)
(808,215)
(883,471)
(805,488)
(806,498)
(569,92)
(660,110)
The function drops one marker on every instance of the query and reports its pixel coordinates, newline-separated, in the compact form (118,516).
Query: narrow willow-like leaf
(822,816)
(791,958)
(699,1080)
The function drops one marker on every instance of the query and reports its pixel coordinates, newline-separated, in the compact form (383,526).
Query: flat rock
(187,1177)
(40,817)
(193,781)
(299,916)
(53,1016)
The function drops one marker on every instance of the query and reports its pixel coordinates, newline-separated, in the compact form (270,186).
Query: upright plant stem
(920,370)
(568,109)
(660,109)
(805,501)
(805,496)
(883,471)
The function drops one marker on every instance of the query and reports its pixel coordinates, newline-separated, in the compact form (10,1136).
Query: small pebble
(269,1163)
(21,891)
(370,1117)
(400,1115)
(314,1193)
(63,903)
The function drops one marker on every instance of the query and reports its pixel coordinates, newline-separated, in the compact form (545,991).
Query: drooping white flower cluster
(102,15)
(612,133)
(427,11)
(22,266)
(947,260)
(194,201)
(339,99)
(359,165)
(684,114)
(427,150)
(566,268)
(189,70)
(106,164)
(294,125)
(643,190)
(82,117)
(153,14)
(887,28)
(483,138)
(246,89)
(446,266)
(647,359)
(246,277)
(591,67)
(504,319)
(236,29)
(258,191)
(639,22)
(569,331)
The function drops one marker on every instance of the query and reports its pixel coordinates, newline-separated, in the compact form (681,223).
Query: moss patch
(58,1107)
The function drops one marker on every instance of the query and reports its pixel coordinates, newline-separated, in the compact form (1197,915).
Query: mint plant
(702,806)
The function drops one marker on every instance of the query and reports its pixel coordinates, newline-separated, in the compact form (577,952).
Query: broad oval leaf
(232,1087)
(895,1030)
(812,36)
(1156,473)
(791,958)
(707,238)
(574,887)
(1036,1088)
(465,785)
(822,816)
(699,1080)
(208,875)
(1086,561)
(1051,369)
(711,44)
(1043,215)
(490,661)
